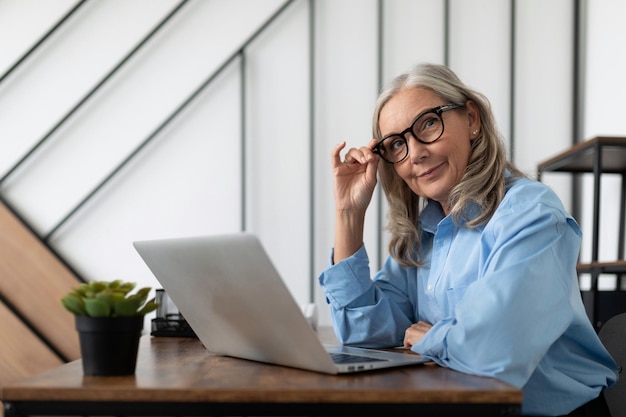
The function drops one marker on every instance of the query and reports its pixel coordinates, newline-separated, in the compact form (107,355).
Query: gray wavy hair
(483,183)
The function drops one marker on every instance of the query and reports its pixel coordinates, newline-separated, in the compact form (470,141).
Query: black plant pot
(109,345)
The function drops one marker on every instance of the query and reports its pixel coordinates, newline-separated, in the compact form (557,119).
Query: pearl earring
(474,132)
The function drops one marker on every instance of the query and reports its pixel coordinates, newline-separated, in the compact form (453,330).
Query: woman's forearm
(348,233)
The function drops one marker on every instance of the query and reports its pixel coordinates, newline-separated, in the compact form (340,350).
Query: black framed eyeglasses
(426,128)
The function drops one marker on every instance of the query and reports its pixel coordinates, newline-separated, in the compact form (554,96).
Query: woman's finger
(336,153)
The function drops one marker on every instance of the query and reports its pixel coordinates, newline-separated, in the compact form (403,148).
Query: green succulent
(108,299)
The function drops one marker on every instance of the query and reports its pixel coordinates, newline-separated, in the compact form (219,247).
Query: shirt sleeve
(369,312)
(521,303)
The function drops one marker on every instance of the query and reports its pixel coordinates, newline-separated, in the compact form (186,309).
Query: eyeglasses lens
(426,129)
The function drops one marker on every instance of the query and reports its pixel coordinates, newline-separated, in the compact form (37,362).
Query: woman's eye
(395,144)
(428,123)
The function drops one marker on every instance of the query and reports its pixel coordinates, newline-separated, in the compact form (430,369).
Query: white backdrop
(302,95)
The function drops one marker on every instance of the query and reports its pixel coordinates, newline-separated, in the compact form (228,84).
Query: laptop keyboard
(345,358)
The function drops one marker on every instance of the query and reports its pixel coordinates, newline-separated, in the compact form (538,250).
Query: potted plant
(109,321)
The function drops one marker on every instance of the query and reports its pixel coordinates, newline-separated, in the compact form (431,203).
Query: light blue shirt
(503,299)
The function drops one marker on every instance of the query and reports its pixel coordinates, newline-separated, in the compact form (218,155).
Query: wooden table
(178,377)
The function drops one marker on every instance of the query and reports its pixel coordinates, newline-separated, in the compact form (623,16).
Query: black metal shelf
(616,267)
(583,157)
(597,156)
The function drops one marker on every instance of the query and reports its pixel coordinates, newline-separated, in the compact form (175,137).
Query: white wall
(190,179)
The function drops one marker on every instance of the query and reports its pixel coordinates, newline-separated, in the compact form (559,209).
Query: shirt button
(430,287)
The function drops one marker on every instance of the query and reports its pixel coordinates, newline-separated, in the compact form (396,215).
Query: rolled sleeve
(347,280)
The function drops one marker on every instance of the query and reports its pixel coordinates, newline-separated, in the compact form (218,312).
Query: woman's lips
(431,171)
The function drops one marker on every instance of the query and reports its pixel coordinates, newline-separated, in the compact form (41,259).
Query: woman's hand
(355,177)
(415,333)
(355,180)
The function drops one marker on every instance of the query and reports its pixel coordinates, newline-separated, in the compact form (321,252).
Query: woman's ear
(473,117)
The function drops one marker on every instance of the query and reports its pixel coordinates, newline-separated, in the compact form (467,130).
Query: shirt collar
(430,216)
(433,213)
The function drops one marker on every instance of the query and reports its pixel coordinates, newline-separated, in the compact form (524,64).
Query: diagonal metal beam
(42,40)
(168,120)
(103,81)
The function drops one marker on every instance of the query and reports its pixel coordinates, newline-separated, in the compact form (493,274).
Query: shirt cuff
(432,344)
(347,280)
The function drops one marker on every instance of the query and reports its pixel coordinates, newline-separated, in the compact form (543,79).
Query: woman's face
(431,170)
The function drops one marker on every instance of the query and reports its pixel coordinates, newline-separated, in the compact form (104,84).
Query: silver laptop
(233,298)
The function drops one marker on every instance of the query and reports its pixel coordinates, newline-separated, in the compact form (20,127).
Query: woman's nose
(417,150)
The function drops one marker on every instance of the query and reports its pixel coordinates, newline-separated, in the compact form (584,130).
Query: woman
(481,275)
